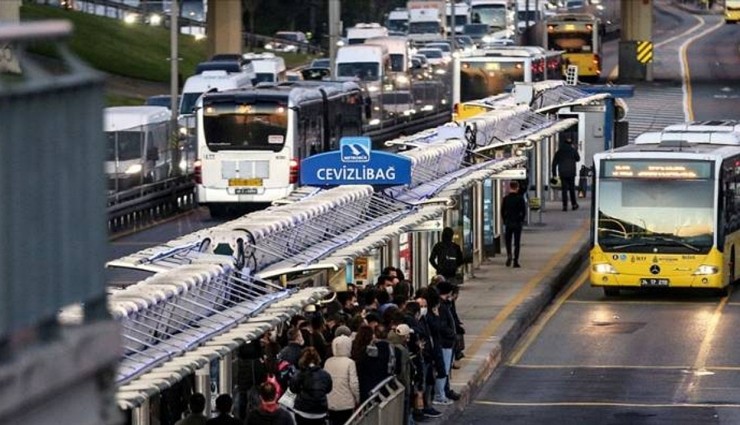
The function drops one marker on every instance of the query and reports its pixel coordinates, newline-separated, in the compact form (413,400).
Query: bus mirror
(152,154)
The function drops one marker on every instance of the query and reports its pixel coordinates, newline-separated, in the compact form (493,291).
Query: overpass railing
(51,220)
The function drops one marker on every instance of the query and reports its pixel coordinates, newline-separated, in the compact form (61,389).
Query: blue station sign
(356,163)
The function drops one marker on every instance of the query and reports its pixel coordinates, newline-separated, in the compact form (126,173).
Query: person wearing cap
(345,393)
(564,163)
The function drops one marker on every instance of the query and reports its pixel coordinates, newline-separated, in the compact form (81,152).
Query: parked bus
(732,11)
(251,141)
(137,145)
(666,212)
(579,36)
(492,71)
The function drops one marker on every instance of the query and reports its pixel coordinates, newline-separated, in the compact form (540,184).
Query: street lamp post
(174,83)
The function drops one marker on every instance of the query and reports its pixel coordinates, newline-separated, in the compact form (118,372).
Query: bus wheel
(721,292)
(611,292)
(216,210)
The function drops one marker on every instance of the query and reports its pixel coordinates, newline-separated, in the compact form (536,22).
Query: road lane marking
(539,326)
(150,225)
(711,333)
(555,366)
(688,109)
(638,302)
(496,322)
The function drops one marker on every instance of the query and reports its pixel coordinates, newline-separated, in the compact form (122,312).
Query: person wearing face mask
(418,344)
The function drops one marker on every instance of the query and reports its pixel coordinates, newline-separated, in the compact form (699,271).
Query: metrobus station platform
(497,303)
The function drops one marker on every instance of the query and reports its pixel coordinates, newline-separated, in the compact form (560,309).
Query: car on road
(434,55)
(287,41)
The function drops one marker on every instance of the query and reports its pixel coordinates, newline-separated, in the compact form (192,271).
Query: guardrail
(386,132)
(385,406)
(256,40)
(147,203)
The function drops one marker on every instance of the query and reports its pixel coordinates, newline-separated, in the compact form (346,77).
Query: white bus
(499,15)
(251,141)
(495,70)
(215,75)
(137,145)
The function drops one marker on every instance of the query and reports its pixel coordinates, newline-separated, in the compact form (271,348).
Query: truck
(461,11)
(398,20)
(426,20)
(361,32)
(499,15)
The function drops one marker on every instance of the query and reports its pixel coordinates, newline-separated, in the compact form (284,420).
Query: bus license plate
(246,191)
(651,281)
(245,182)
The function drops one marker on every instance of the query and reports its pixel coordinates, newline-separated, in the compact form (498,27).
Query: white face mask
(389,290)
(423,311)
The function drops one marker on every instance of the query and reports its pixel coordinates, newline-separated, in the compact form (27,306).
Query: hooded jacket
(345,393)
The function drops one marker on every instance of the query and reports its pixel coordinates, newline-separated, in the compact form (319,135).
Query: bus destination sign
(645,169)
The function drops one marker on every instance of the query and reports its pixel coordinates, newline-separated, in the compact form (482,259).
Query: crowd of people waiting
(326,362)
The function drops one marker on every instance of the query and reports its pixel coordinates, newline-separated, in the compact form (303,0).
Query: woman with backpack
(311,385)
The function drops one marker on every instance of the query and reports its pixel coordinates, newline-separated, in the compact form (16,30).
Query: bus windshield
(126,143)
(493,15)
(483,79)
(188,102)
(260,125)
(655,215)
(571,42)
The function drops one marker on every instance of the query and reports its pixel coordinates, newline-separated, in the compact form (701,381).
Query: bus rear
(732,11)
(244,150)
(578,37)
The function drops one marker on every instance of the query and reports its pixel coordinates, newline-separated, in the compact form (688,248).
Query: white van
(361,32)
(214,79)
(137,145)
(398,51)
(267,67)
(367,63)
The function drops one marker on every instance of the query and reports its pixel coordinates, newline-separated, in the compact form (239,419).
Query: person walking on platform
(197,405)
(513,213)
(564,163)
(447,257)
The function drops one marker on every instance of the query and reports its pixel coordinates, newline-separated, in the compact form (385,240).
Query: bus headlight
(133,169)
(706,269)
(603,268)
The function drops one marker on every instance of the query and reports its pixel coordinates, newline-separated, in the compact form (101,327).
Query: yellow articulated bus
(666,210)
(732,11)
(578,35)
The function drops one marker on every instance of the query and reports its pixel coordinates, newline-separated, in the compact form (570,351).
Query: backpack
(285,373)
(447,260)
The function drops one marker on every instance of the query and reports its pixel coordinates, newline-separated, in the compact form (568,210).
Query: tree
(251,7)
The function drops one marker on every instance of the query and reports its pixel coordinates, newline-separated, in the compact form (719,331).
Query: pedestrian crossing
(654,106)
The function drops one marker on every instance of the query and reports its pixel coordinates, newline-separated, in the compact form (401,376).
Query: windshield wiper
(678,242)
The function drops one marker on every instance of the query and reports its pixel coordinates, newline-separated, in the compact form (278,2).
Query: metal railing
(51,220)
(150,202)
(385,406)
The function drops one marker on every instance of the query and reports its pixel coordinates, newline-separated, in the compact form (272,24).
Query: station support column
(636,36)
(224,27)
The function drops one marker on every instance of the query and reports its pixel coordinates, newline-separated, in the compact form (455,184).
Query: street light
(155,20)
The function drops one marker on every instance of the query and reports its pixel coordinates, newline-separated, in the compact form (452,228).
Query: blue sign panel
(356,163)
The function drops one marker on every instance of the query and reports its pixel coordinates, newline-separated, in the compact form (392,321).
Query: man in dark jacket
(513,213)
(564,163)
(223,407)
(269,411)
(446,256)
(311,386)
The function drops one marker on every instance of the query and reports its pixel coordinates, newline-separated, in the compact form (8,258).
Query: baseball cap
(404,330)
